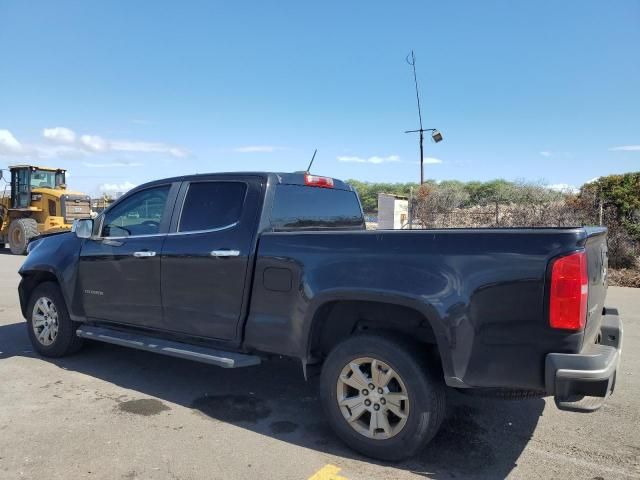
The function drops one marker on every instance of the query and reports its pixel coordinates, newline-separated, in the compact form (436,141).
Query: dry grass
(624,277)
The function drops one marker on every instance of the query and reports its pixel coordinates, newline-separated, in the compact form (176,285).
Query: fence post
(600,210)
(410,208)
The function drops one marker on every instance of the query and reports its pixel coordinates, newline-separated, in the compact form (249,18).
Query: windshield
(46,179)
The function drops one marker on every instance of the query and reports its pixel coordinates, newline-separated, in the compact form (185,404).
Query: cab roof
(295,178)
(36,167)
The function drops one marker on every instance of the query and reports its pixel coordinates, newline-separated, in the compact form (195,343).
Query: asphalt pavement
(114,413)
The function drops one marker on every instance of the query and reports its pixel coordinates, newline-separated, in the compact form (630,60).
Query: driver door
(120,268)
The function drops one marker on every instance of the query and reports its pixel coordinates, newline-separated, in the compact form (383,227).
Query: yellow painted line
(328,472)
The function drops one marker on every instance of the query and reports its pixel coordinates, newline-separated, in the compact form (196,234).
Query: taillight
(569,292)
(316,181)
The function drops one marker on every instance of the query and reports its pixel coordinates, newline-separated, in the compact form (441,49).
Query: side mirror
(83,228)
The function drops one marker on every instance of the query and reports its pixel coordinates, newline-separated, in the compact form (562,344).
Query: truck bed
(483,292)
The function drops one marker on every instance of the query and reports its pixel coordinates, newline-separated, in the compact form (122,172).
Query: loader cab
(26,178)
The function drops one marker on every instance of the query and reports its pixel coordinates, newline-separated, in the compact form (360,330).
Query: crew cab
(232,268)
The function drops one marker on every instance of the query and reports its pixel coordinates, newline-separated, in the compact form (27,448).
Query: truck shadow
(480,438)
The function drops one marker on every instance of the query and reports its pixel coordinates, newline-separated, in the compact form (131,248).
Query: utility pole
(435,134)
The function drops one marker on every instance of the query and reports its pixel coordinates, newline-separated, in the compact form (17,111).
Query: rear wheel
(381,396)
(51,330)
(20,232)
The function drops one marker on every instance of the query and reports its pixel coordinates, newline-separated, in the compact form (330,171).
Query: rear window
(297,207)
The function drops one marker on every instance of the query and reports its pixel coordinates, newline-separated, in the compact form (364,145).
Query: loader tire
(20,232)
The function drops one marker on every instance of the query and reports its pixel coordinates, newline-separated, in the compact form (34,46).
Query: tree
(622,192)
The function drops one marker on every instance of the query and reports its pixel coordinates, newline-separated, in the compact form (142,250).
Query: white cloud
(94,143)
(594,179)
(63,142)
(9,145)
(564,187)
(112,164)
(148,147)
(376,160)
(626,148)
(352,159)
(431,161)
(59,135)
(58,151)
(116,187)
(98,144)
(557,155)
(257,149)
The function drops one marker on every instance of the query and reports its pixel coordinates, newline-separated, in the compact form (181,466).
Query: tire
(415,379)
(47,297)
(20,232)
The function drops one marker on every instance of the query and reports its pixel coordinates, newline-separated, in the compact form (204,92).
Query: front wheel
(21,230)
(382,397)
(51,330)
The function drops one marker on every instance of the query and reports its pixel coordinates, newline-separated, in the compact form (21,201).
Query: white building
(393,211)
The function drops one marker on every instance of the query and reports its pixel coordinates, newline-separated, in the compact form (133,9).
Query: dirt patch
(143,406)
(232,408)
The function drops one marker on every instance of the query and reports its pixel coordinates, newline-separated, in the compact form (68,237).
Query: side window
(140,214)
(211,205)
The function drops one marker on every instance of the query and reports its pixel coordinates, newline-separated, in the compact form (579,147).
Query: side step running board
(167,347)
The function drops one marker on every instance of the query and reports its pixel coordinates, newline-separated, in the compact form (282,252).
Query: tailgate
(597,261)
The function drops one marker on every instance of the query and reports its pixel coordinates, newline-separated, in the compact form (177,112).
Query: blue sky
(123,92)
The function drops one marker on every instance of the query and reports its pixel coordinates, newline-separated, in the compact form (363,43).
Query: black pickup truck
(229,269)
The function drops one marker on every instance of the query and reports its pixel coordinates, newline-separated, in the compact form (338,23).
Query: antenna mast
(437,136)
(312,159)
(415,81)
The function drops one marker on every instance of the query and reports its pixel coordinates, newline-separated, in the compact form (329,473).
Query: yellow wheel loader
(37,201)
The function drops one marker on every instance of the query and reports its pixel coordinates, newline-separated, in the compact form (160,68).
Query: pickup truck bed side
(482,293)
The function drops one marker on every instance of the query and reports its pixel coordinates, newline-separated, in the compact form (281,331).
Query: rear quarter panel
(482,291)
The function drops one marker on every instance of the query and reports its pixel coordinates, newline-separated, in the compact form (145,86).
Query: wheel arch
(31,279)
(420,321)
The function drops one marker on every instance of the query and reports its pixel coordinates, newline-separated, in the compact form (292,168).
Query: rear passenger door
(205,258)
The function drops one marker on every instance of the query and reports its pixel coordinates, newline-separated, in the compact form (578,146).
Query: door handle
(225,253)
(144,254)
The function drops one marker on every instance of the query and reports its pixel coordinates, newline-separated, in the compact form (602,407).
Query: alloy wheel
(373,398)
(45,321)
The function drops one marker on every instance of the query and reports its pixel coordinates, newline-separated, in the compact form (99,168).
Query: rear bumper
(582,381)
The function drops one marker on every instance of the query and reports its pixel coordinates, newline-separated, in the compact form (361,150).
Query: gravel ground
(110,413)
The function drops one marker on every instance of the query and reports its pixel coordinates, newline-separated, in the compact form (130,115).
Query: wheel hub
(45,321)
(373,398)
